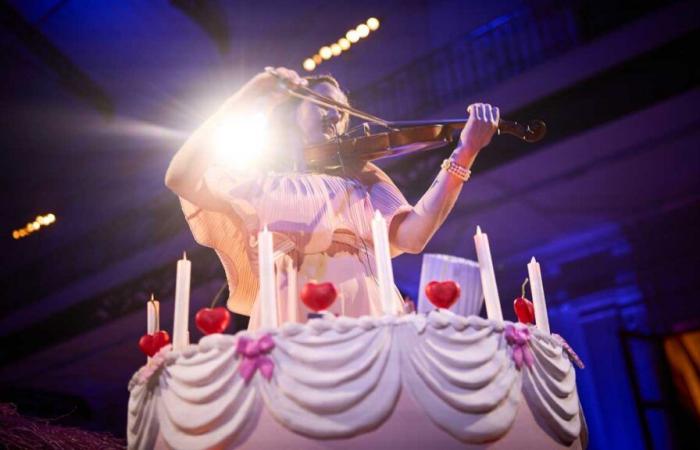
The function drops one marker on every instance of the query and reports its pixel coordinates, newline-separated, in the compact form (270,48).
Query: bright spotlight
(335,48)
(325,52)
(362,30)
(373,23)
(352,36)
(241,140)
(309,64)
(344,43)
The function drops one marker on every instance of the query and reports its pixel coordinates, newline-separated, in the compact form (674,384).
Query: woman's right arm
(185,174)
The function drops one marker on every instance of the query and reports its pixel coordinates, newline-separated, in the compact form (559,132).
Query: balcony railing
(504,47)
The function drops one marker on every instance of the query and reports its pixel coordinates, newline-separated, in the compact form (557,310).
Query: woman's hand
(266,84)
(477,133)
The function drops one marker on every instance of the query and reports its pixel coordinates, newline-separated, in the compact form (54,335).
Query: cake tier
(408,382)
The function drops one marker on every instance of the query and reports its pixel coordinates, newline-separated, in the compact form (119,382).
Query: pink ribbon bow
(253,354)
(518,338)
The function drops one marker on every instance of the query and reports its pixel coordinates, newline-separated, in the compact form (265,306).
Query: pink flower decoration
(569,351)
(518,338)
(253,352)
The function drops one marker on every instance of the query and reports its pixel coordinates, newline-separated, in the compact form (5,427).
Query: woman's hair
(283,118)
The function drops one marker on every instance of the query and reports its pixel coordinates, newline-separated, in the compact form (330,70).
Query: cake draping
(336,378)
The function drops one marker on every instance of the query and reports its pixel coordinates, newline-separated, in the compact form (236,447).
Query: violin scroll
(531,132)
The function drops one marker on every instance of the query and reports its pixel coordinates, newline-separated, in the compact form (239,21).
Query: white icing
(337,378)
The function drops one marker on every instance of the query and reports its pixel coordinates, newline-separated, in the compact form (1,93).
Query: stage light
(362,30)
(240,141)
(352,36)
(33,226)
(309,64)
(325,52)
(373,23)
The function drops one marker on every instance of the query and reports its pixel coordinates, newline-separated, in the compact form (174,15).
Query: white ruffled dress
(321,225)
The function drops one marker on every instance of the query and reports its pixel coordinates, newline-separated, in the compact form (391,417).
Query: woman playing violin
(320,220)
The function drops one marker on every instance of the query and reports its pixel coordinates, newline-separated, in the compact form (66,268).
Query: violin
(360,144)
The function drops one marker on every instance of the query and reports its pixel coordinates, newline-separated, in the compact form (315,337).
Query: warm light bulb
(325,52)
(362,30)
(335,48)
(317,58)
(352,36)
(373,23)
(15,235)
(344,43)
(309,64)
(51,218)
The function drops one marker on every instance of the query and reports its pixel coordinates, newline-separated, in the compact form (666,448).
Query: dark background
(97,96)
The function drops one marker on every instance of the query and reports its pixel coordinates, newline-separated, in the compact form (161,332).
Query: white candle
(488,276)
(292,292)
(382,255)
(537,288)
(152,315)
(181,333)
(266,270)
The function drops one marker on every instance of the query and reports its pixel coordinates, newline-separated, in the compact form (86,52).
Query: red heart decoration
(212,320)
(151,343)
(443,294)
(524,309)
(318,297)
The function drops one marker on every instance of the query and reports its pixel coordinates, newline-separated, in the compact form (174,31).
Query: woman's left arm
(411,231)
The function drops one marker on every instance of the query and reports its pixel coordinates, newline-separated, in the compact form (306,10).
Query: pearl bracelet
(455,169)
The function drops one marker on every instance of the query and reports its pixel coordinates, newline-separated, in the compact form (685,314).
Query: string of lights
(31,227)
(343,44)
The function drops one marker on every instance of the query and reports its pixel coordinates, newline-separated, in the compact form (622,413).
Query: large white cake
(410,382)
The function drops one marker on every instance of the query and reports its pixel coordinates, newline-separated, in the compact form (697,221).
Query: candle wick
(184,255)
(478,229)
(533,260)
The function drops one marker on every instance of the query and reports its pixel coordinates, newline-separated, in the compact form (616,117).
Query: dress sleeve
(385,195)
(229,234)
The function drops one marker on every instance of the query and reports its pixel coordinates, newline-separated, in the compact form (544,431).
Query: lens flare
(241,140)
